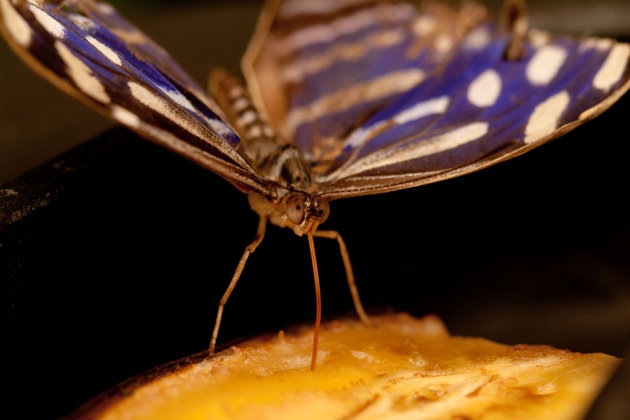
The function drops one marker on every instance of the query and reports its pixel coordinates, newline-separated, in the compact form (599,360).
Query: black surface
(122,267)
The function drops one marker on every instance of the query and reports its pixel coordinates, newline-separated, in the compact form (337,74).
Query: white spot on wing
(18,28)
(162,107)
(417,149)
(292,8)
(296,71)
(386,39)
(424,25)
(219,127)
(386,85)
(477,39)
(443,43)
(539,38)
(485,89)
(613,68)
(345,25)
(601,44)
(81,74)
(422,109)
(546,116)
(545,64)
(85,24)
(125,117)
(361,135)
(415,112)
(55,28)
(106,9)
(105,50)
(178,98)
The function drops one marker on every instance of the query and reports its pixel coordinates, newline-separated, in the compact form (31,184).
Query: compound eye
(296,209)
(324,209)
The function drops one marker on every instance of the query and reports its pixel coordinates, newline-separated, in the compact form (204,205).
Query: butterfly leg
(260,234)
(333,234)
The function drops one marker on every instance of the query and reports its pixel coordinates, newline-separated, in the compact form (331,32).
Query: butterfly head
(304,213)
(297,210)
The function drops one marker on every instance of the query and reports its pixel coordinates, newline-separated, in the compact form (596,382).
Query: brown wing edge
(341,189)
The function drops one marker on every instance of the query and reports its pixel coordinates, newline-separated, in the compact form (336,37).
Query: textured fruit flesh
(405,368)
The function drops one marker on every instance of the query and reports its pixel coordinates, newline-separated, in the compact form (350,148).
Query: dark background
(121,250)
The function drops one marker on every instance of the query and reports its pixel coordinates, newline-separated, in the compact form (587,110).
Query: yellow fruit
(405,368)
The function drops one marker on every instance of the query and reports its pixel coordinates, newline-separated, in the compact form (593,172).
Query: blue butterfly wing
(470,108)
(319,68)
(85,48)
(482,109)
(138,43)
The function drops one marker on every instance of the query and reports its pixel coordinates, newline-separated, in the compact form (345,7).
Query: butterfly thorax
(274,158)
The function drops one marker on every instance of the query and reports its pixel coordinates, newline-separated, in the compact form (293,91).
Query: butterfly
(342,98)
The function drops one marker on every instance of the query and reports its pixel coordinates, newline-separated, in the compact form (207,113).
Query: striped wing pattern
(377,95)
(334,69)
(436,100)
(88,50)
